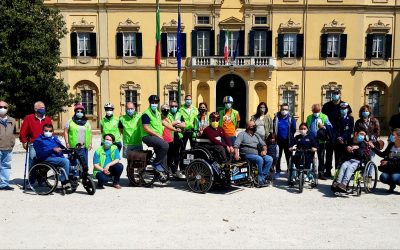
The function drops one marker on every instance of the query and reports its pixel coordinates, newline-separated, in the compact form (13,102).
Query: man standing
(229,119)
(109,125)
(332,110)
(395,120)
(343,135)
(130,130)
(189,114)
(284,128)
(315,122)
(7,142)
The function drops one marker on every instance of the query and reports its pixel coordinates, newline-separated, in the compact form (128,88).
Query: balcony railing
(242,61)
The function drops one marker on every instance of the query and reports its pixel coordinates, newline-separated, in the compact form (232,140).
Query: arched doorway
(234,86)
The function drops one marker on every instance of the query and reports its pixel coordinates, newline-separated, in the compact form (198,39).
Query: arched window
(327,91)
(130,92)
(375,93)
(88,93)
(171,92)
(289,93)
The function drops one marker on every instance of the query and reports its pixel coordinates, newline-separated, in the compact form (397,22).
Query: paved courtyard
(169,216)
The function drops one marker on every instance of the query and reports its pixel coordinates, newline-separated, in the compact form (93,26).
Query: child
(356,151)
(273,151)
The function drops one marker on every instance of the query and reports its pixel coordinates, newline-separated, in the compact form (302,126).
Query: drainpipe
(303,84)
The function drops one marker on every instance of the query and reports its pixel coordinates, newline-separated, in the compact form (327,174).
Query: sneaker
(100,186)
(180,175)
(7,188)
(391,188)
(341,188)
(277,175)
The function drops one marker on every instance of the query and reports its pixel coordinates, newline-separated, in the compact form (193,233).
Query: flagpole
(179,56)
(158,65)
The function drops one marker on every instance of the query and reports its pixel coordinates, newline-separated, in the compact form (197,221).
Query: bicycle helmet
(154,98)
(228,99)
(214,115)
(109,105)
(79,105)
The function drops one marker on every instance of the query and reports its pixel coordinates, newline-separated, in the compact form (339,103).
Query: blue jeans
(5,167)
(59,162)
(264,164)
(346,171)
(390,179)
(32,155)
(233,139)
(115,171)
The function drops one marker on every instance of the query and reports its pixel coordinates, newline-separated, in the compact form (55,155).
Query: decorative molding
(289,61)
(173,86)
(377,62)
(232,22)
(378,27)
(172,26)
(128,25)
(290,26)
(129,85)
(84,60)
(290,86)
(88,85)
(334,27)
(333,61)
(129,60)
(82,25)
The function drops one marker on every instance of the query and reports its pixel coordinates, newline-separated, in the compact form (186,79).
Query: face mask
(202,111)
(335,97)
(365,114)
(391,138)
(343,112)
(153,106)
(253,129)
(360,138)
(109,113)
(188,102)
(48,134)
(107,144)
(228,105)
(262,110)
(79,115)
(303,131)
(316,114)
(165,112)
(3,111)
(174,110)
(214,124)
(130,112)
(284,112)
(41,111)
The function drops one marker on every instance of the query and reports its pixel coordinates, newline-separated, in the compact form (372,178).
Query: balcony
(239,62)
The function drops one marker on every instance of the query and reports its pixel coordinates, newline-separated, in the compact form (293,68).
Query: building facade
(281,51)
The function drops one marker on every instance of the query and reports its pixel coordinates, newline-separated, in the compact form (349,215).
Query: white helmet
(109,105)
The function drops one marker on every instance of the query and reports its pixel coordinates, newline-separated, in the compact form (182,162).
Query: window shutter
(194,42)
(269,43)
(74,44)
(368,45)
(212,42)
(299,45)
(388,46)
(324,46)
(343,45)
(251,43)
(93,44)
(164,45)
(221,42)
(120,44)
(280,45)
(241,43)
(139,45)
(183,44)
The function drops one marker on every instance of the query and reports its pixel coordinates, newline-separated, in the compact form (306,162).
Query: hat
(79,105)
(344,105)
(227,99)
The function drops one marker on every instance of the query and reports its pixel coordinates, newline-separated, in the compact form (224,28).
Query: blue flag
(179,41)
(235,53)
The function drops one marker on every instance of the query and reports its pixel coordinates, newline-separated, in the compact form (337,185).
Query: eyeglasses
(3,107)
(46,130)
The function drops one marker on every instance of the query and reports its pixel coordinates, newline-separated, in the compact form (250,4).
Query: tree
(30,34)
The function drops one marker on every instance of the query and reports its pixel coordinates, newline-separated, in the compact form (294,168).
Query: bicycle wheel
(370,177)
(199,176)
(43,178)
(89,185)
(301,181)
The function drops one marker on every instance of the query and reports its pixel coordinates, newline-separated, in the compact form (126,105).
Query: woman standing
(201,121)
(369,123)
(263,121)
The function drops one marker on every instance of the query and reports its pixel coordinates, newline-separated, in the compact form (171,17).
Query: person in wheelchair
(255,150)
(357,150)
(304,141)
(212,132)
(49,149)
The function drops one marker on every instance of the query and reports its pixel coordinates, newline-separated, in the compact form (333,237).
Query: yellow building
(292,51)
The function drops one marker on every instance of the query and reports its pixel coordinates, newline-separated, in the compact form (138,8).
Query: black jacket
(332,110)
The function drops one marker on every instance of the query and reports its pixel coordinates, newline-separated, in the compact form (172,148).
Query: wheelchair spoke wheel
(301,181)
(370,177)
(141,177)
(89,185)
(199,176)
(43,179)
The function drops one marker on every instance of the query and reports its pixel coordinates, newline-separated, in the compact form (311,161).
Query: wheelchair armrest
(204,140)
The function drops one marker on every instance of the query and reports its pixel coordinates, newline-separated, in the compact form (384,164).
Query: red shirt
(211,134)
(32,128)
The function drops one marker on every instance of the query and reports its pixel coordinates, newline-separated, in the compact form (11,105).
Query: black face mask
(253,129)
(202,111)
(165,112)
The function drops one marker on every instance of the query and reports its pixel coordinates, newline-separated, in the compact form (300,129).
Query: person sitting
(249,144)
(304,141)
(390,164)
(49,149)
(106,163)
(212,132)
(357,150)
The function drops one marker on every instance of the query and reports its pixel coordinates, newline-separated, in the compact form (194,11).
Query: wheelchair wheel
(142,177)
(301,181)
(370,177)
(89,185)
(199,176)
(43,178)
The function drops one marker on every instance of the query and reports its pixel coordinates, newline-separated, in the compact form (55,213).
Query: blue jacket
(44,147)
(284,127)
(346,126)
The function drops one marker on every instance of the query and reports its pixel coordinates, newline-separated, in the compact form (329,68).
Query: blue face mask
(391,138)
(188,102)
(343,112)
(153,106)
(335,97)
(228,105)
(107,144)
(360,138)
(79,115)
(130,112)
(365,114)
(41,111)
(174,110)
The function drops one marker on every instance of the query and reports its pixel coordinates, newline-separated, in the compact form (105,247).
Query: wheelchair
(204,171)
(366,173)
(298,173)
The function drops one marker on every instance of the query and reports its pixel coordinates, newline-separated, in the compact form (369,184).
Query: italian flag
(158,37)
(226,46)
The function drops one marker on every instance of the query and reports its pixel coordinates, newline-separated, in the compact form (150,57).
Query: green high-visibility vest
(233,116)
(171,118)
(190,117)
(155,122)
(323,118)
(102,155)
(73,133)
(110,126)
(131,130)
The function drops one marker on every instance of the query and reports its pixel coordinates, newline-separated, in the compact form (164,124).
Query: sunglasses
(173,106)
(3,107)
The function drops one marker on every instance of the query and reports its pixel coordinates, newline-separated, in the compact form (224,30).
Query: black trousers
(283,146)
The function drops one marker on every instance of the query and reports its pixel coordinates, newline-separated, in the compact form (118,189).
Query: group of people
(168,130)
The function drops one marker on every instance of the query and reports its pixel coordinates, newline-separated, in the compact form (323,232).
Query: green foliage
(30,34)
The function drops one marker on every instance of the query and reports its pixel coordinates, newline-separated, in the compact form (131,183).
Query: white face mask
(303,132)
(109,113)
(48,134)
(284,112)
(3,111)
(316,114)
